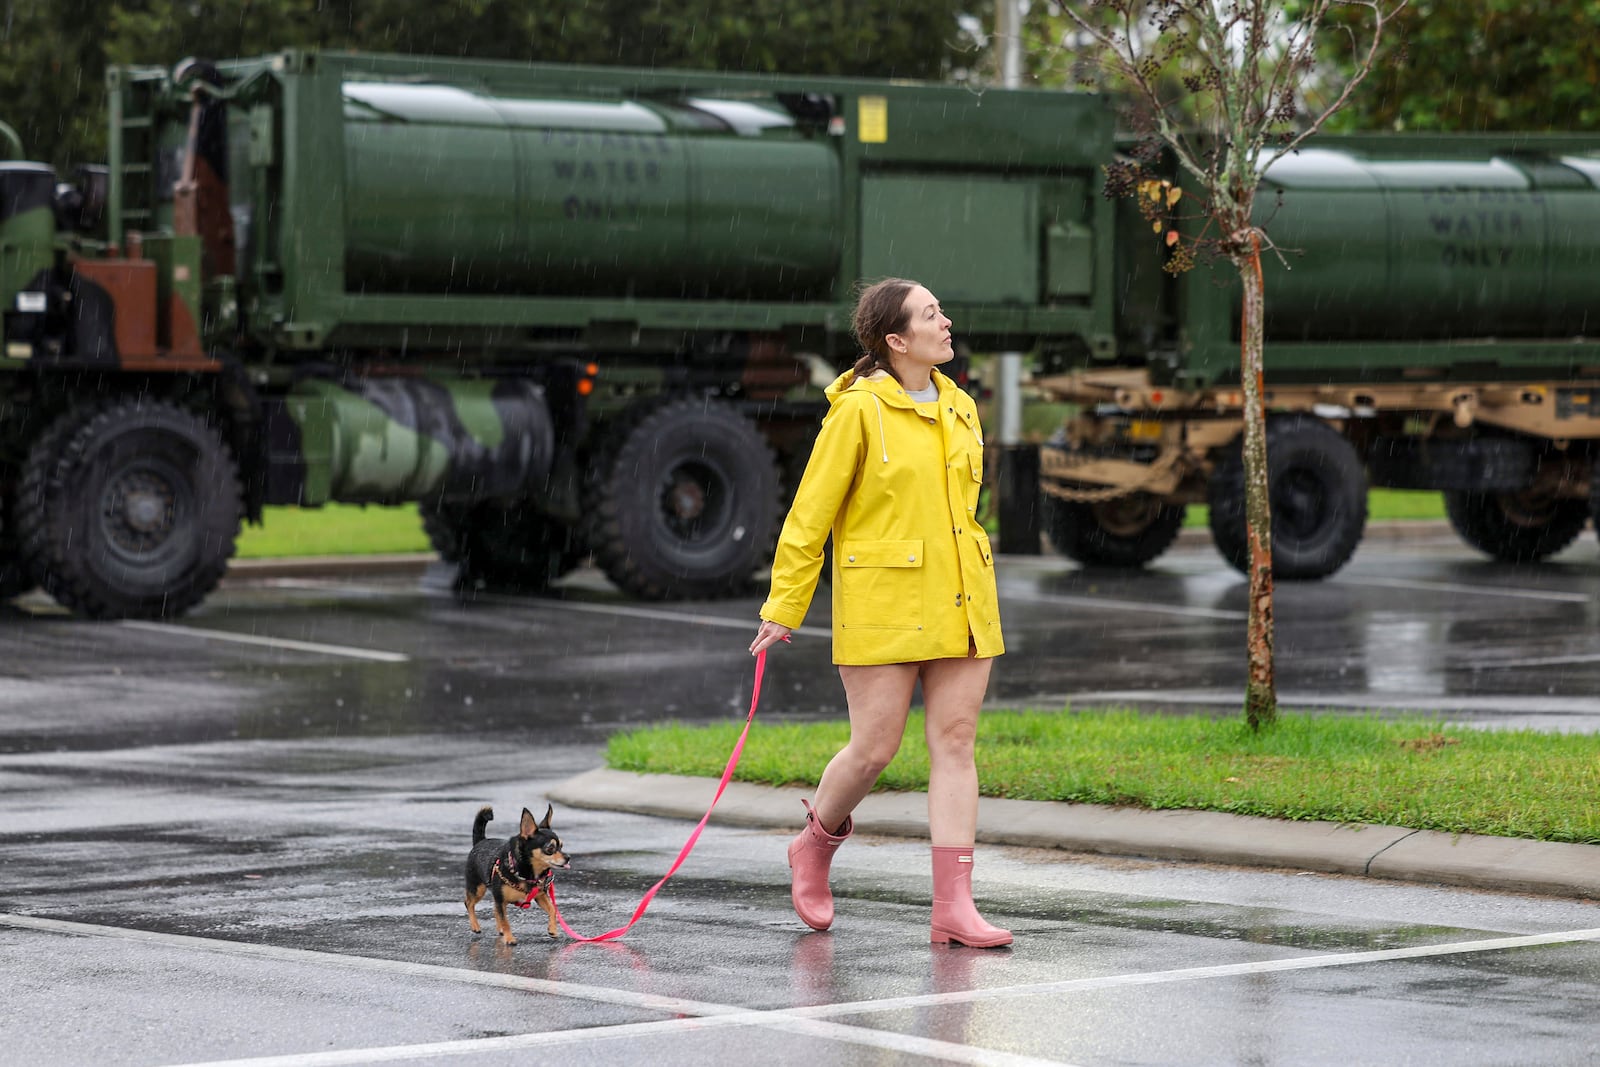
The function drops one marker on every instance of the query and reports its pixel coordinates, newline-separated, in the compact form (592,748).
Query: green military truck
(1434,323)
(568,311)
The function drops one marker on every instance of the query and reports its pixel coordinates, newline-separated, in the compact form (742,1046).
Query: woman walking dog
(894,476)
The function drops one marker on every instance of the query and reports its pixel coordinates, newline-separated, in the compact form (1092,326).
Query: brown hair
(880,311)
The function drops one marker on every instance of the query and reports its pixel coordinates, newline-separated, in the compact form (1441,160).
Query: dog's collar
(536,884)
(509,858)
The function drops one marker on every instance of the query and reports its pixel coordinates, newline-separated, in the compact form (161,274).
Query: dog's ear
(549,810)
(527,828)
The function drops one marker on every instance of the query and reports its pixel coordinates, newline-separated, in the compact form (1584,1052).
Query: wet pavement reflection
(253,824)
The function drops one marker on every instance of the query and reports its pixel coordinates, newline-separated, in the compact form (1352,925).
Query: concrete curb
(1390,852)
(329,566)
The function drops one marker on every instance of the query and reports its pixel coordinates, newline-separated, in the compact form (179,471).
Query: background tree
(52,75)
(1481,65)
(54,53)
(1219,85)
(1442,65)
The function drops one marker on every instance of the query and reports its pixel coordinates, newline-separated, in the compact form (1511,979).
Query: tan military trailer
(1433,324)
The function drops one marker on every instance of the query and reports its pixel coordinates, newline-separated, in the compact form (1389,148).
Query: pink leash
(688,846)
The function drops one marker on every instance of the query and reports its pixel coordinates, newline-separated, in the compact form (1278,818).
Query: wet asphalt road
(240,837)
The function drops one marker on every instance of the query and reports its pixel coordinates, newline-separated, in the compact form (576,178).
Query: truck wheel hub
(686,497)
(140,510)
(694,502)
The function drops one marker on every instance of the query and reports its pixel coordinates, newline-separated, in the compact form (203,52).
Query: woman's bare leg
(879,699)
(953,690)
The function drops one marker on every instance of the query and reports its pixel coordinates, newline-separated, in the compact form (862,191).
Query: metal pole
(1017,492)
(1008,384)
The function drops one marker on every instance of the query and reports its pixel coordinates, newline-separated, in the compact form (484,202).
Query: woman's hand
(769,634)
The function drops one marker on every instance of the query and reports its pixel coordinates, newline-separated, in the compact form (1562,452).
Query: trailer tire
(501,548)
(130,510)
(682,501)
(1515,527)
(1318,489)
(1126,532)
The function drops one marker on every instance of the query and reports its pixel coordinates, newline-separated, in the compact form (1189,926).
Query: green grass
(1413,772)
(353,530)
(334,530)
(1383,505)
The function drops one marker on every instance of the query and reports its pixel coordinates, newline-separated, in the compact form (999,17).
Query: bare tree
(1226,87)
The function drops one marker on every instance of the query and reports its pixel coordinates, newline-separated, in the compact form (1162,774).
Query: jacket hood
(880,384)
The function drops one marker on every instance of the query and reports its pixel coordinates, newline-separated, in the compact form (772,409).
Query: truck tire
(1318,490)
(1594,495)
(132,512)
(501,548)
(682,501)
(15,577)
(27,494)
(1515,527)
(1129,531)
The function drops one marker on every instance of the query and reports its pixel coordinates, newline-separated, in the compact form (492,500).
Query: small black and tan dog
(513,871)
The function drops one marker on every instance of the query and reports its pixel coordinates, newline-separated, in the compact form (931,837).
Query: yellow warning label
(872,117)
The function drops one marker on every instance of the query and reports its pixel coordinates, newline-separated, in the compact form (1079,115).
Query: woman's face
(926,341)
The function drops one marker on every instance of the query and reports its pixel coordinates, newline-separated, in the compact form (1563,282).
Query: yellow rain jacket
(896,482)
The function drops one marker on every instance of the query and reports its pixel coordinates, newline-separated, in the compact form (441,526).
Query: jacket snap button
(911,559)
(852,559)
(958,600)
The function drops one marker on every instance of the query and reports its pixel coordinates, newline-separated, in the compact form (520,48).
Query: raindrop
(467,701)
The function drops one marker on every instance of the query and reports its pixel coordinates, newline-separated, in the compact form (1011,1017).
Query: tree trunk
(1261,693)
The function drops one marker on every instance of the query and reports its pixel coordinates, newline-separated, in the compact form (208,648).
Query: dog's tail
(481,823)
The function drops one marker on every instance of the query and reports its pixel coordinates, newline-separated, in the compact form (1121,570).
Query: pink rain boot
(955,918)
(810,856)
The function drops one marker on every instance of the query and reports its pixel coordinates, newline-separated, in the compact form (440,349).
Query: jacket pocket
(976,459)
(987,553)
(880,585)
(983,598)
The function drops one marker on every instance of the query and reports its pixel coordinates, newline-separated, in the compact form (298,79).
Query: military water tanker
(1432,322)
(567,310)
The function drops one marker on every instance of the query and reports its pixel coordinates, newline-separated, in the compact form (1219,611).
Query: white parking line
(750,624)
(270,642)
(542,603)
(808,1021)
(1537,661)
(1190,974)
(1014,593)
(1364,701)
(1465,590)
(907,1044)
(706,1014)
